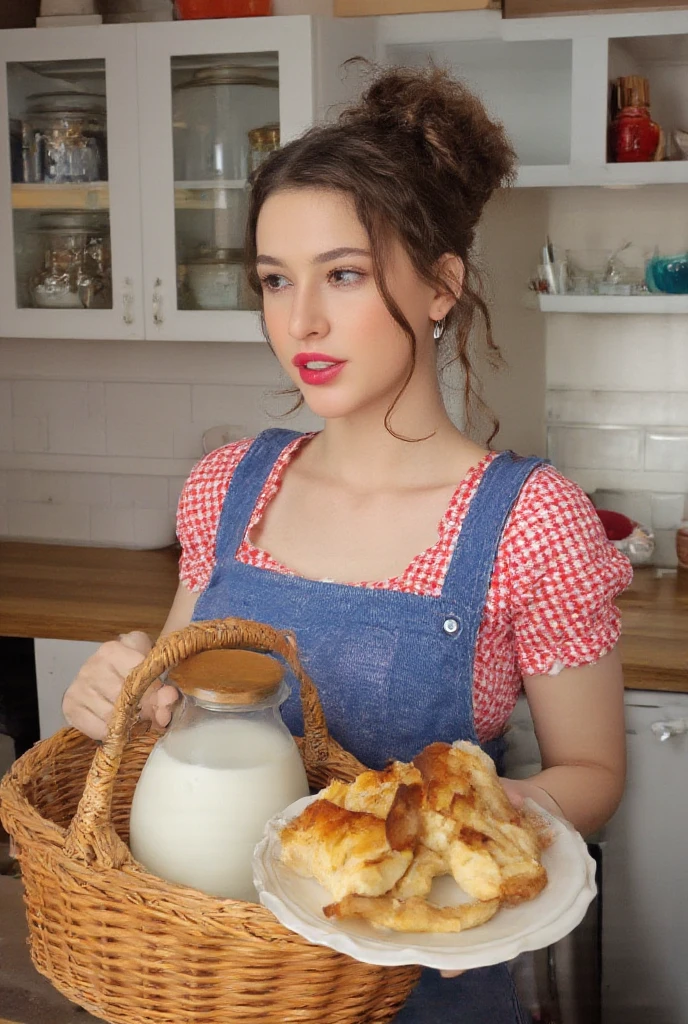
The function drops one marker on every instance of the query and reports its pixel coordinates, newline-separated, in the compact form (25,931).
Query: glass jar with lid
(64,137)
(75,270)
(216,279)
(262,141)
(225,766)
(213,112)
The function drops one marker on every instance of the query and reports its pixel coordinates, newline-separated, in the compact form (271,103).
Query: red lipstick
(317,367)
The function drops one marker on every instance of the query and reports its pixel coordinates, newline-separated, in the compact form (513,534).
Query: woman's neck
(360,451)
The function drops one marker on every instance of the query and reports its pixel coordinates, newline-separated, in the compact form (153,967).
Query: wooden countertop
(80,593)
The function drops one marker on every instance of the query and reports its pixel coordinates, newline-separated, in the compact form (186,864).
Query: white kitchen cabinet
(547,79)
(155,217)
(57,663)
(645,884)
(91,61)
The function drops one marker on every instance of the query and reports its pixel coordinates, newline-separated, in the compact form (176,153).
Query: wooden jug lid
(228,677)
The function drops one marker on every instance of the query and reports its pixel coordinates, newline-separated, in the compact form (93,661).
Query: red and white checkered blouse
(550,602)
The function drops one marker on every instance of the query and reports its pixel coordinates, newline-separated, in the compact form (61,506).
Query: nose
(307,318)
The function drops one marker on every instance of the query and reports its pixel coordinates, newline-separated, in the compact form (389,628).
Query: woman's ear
(451,272)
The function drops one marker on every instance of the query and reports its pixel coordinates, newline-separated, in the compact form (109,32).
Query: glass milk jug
(225,766)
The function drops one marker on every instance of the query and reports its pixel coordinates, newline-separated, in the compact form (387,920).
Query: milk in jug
(225,766)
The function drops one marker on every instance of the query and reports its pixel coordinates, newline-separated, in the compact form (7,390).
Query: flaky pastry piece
(373,791)
(492,849)
(346,851)
(425,866)
(414,914)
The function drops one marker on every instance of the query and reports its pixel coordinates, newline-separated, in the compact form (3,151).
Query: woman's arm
(579,723)
(180,611)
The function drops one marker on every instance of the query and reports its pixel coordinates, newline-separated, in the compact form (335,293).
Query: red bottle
(633,136)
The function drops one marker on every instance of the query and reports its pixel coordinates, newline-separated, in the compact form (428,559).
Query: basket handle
(91,836)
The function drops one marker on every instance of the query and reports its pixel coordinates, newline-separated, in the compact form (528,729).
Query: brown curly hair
(419,157)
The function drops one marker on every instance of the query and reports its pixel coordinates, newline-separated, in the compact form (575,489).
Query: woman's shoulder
(198,513)
(554,532)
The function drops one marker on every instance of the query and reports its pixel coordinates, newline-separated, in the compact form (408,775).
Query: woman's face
(327,322)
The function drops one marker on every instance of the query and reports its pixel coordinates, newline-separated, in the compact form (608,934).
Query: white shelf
(601,304)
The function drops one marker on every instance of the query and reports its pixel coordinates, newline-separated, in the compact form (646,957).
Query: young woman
(427,578)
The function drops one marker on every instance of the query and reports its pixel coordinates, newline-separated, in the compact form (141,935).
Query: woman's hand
(89,701)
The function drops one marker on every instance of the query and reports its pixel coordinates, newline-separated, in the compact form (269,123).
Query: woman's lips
(315,368)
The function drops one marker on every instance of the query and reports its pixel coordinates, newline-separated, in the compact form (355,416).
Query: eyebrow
(323,257)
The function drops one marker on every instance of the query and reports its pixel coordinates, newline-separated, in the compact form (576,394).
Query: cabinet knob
(665,730)
(128,301)
(158,318)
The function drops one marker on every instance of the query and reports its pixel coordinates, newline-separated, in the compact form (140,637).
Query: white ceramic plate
(297,904)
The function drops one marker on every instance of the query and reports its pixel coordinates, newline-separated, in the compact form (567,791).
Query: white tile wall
(595,448)
(667,450)
(96,439)
(617,386)
(644,408)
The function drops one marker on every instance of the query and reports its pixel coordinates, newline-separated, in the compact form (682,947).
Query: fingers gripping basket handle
(91,836)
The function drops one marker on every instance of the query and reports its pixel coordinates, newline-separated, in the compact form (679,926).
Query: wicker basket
(134,949)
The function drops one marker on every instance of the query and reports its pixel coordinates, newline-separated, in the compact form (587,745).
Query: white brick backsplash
(140,491)
(141,418)
(45,521)
(595,447)
(41,487)
(112,526)
(617,353)
(154,362)
(30,433)
(5,416)
(89,488)
(634,408)
(243,406)
(72,410)
(175,485)
(667,450)
(626,480)
(154,527)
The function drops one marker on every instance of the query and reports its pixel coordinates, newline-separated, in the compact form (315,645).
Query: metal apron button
(451,626)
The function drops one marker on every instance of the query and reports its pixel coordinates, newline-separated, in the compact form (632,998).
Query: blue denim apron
(394,670)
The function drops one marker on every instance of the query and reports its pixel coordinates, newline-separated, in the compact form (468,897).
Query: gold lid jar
(225,766)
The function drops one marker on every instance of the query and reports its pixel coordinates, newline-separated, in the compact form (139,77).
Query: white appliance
(626,963)
(645,879)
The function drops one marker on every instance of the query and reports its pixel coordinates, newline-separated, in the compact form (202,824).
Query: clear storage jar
(64,138)
(216,279)
(213,113)
(75,270)
(225,766)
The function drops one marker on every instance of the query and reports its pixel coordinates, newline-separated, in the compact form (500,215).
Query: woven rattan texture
(134,949)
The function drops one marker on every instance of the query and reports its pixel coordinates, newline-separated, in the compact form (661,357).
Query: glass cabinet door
(215,101)
(70,250)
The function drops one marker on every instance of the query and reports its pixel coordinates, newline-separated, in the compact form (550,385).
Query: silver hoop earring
(439,329)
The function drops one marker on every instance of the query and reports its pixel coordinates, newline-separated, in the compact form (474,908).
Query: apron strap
(247,482)
(470,571)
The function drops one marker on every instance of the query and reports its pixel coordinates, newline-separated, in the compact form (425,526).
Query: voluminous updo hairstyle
(419,157)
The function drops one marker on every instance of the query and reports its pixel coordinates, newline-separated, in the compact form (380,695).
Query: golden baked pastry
(377,843)
(414,914)
(353,851)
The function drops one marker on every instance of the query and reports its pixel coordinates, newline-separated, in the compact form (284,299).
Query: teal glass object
(668,274)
